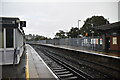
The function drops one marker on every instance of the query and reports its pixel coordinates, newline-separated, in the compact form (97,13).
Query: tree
(73,33)
(60,34)
(37,37)
(92,22)
(33,37)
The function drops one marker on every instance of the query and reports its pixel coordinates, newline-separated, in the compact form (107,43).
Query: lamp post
(78,27)
(92,37)
(78,23)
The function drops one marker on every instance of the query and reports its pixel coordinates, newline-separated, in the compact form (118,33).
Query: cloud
(45,18)
(60,0)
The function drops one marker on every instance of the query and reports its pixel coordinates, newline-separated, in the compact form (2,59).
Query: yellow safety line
(27,68)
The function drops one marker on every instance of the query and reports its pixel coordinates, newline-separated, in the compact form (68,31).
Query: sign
(22,23)
(92,41)
(7,22)
(86,34)
(96,41)
(114,40)
(100,40)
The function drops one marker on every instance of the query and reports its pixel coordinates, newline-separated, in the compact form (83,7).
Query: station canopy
(9,22)
(108,27)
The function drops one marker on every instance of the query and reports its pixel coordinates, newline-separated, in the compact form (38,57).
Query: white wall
(19,40)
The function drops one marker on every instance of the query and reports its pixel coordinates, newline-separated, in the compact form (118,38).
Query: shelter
(12,40)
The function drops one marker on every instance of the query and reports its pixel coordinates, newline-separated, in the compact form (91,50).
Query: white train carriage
(12,40)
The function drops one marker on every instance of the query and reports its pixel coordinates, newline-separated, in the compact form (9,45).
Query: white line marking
(82,51)
(45,64)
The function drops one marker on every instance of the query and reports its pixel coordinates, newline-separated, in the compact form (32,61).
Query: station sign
(22,23)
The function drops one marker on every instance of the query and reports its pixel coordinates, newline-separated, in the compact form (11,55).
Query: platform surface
(37,68)
(17,71)
(113,55)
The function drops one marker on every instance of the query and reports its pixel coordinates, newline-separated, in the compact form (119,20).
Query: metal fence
(89,43)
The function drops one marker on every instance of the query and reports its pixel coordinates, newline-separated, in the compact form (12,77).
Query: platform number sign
(22,23)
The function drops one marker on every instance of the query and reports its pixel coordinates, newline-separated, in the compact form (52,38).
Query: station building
(111,36)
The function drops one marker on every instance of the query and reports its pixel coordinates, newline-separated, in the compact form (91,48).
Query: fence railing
(89,43)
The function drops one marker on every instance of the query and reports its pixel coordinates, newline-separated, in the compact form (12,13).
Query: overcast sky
(46,18)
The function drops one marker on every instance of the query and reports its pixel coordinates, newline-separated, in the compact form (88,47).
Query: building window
(1,38)
(9,38)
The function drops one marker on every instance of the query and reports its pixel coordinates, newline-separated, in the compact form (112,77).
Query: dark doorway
(9,38)
(107,44)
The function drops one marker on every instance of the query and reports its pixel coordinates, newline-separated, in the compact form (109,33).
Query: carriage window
(1,38)
(9,38)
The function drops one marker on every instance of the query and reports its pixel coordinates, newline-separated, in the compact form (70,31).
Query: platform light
(17,21)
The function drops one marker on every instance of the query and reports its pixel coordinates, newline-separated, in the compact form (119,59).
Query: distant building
(28,37)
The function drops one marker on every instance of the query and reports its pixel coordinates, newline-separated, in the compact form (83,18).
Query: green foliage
(73,33)
(34,37)
(60,34)
(86,30)
(92,22)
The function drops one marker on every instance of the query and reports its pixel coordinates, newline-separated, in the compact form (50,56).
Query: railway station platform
(36,67)
(84,49)
(114,55)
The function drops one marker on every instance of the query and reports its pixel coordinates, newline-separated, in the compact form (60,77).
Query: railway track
(64,70)
(67,71)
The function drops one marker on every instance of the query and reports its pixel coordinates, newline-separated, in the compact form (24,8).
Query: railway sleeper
(63,72)
(57,68)
(66,75)
(60,70)
(71,78)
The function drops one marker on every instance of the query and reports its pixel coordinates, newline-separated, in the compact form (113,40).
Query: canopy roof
(9,22)
(113,26)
